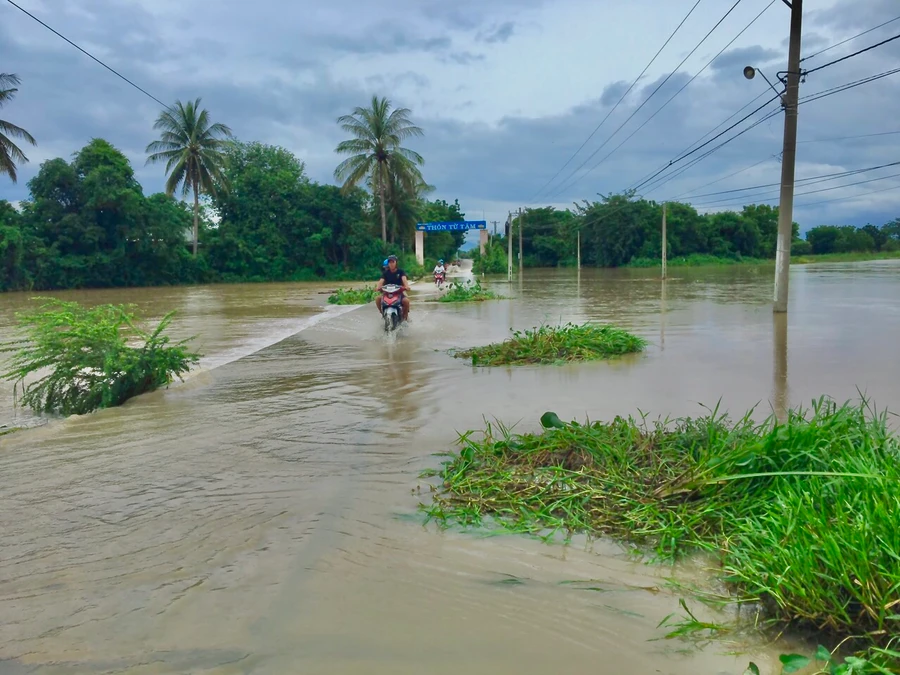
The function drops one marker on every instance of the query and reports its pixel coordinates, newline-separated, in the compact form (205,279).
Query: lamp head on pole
(749,72)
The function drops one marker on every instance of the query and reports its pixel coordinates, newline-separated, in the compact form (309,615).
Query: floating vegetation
(90,358)
(802,514)
(556,344)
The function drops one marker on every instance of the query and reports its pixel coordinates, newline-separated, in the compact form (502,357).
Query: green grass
(844,257)
(697,260)
(703,260)
(353,296)
(556,344)
(802,515)
(471,292)
(90,358)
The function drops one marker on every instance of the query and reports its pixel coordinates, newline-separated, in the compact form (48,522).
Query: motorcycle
(392,306)
(439,279)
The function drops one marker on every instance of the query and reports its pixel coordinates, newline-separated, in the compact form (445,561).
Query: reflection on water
(261,517)
(781,402)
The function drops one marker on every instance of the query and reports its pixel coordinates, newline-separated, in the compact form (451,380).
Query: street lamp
(789,101)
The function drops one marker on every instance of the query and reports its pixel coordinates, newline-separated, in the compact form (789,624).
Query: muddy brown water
(261,517)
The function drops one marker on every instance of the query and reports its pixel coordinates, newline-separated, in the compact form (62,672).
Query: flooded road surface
(261,517)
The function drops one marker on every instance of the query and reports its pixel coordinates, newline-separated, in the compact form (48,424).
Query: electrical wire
(696,75)
(716,137)
(618,103)
(86,53)
(850,56)
(566,184)
(807,99)
(850,39)
(726,202)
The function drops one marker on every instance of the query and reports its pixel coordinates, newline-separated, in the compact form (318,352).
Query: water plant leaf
(791,663)
(752,669)
(551,420)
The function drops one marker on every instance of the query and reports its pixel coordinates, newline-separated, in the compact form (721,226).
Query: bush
(97,357)
(468,292)
(556,344)
(353,296)
(801,513)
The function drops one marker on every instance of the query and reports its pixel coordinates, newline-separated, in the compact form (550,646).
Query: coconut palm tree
(376,152)
(193,150)
(9,151)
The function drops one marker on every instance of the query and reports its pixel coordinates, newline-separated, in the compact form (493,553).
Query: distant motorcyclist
(439,268)
(392,274)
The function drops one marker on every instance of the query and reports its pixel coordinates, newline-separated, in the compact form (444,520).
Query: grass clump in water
(556,344)
(802,514)
(90,358)
(471,292)
(353,296)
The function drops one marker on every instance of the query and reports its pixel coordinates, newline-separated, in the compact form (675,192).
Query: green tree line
(618,231)
(255,214)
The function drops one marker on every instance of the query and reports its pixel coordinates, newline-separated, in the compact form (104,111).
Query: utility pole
(664,247)
(786,205)
(509,238)
(494,222)
(579,248)
(521,223)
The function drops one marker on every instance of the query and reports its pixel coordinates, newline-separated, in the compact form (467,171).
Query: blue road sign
(452,227)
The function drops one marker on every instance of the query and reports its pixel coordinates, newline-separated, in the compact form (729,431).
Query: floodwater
(261,517)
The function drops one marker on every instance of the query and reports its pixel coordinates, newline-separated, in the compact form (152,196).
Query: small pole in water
(579,249)
(664,247)
(509,238)
(521,223)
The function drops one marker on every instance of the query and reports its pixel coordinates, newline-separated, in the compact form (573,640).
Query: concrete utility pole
(509,238)
(521,223)
(578,248)
(494,222)
(664,247)
(786,205)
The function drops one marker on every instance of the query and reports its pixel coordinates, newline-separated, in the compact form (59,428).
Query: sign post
(446,226)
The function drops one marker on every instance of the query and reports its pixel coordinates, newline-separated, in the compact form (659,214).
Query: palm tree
(376,152)
(9,151)
(404,206)
(193,150)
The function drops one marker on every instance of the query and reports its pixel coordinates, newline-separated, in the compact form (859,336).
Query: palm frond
(10,129)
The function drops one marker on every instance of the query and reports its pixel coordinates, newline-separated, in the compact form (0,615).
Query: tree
(376,152)
(193,150)
(10,153)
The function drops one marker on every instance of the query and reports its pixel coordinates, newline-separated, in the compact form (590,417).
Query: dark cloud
(281,74)
(734,60)
(463,58)
(500,33)
(613,92)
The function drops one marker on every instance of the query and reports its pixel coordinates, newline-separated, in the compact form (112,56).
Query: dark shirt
(395,278)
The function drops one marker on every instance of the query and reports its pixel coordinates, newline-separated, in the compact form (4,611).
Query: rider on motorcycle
(393,275)
(439,268)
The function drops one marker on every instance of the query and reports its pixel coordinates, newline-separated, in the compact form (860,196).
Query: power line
(567,185)
(713,130)
(808,99)
(699,147)
(809,180)
(659,182)
(719,180)
(696,75)
(848,138)
(850,39)
(850,56)
(725,202)
(86,53)
(850,85)
(622,98)
(843,199)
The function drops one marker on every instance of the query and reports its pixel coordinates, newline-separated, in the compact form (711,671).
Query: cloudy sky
(506,91)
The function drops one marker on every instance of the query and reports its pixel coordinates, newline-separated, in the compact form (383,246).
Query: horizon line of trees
(617,231)
(255,216)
